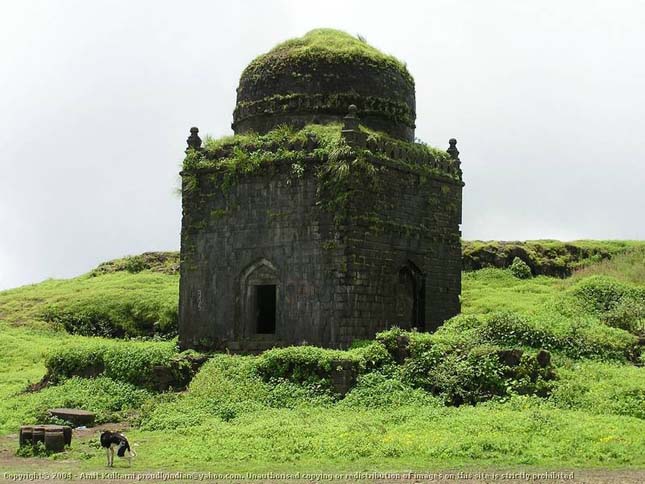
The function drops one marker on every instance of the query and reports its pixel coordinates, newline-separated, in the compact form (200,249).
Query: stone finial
(452,150)
(351,120)
(194,141)
(352,134)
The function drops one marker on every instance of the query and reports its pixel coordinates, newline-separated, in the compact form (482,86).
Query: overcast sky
(547,99)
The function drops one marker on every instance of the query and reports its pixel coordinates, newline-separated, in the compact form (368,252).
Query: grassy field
(277,411)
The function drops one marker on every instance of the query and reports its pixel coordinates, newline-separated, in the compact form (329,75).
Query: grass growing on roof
(327,138)
(340,168)
(245,154)
(325,44)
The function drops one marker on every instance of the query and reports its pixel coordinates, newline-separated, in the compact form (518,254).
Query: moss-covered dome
(313,79)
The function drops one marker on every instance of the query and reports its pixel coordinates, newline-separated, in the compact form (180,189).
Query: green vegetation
(129,361)
(520,269)
(418,437)
(312,365)
(115,302)
(244,154)
(555,258)
(542,371)
(319,73)
(110,399)
(617,304)
(628,265)
(600,388)
(23,351)
(163,262)
(328,45)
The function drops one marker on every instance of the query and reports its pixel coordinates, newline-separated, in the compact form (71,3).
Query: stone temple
(321,221)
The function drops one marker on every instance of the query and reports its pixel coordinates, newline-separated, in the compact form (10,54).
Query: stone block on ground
(75,416)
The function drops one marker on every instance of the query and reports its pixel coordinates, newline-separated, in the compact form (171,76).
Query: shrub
(392,339)
(480,374)
(628,314)
(617,304)
(520,269)
(109,399)
(286,394)
(454,364)
(313,366)
(600,294)
(301,364)
(37,450)
(600,388)
(84,321)
(576,338)
(226,386)
(371,356)
(229,378)
(375,390)
(130,362)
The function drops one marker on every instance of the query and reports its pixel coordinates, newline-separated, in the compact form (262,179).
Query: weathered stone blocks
(269,258)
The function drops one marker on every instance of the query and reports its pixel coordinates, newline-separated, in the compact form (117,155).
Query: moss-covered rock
(544,257)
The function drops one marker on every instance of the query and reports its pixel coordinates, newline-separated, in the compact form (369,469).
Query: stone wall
(320,90)
(393,259)
(400,265)
(266,227)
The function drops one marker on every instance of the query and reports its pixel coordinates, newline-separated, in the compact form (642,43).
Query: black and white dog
(115,440)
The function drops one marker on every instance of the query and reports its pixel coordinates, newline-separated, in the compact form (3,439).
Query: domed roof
(314,79)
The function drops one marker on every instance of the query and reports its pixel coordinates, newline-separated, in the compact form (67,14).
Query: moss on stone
(396,111)
(346,175)
(247,153)
(315,78)
(328,45)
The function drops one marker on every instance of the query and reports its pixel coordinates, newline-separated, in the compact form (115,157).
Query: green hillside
(537,371)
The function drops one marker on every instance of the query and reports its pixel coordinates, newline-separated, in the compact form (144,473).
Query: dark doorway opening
(265,308)
(406,300)
(420,304)
(410,303)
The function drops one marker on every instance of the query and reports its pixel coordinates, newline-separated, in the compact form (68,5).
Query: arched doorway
(409,297)
(260,291)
